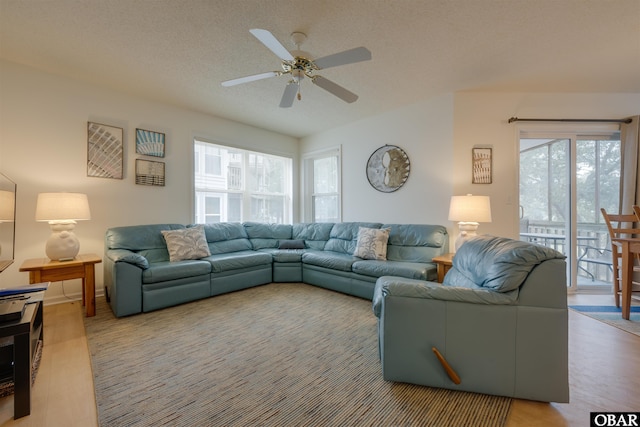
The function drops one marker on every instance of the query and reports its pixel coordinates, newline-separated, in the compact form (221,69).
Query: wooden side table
(82,267)
(443,263)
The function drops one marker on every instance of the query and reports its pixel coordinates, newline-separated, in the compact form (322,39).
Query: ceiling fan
(300,64)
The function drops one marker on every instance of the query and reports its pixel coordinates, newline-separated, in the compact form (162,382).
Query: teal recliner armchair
(497,325)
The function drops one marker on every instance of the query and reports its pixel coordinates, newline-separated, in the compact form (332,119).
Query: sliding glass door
(565,178)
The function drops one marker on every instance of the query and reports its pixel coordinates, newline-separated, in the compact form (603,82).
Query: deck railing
(594,246)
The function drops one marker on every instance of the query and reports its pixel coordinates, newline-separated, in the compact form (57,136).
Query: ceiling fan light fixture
(297,75)
(297,38)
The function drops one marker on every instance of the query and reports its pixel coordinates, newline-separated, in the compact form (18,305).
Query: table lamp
(469,210)
(7,207)
(61,211)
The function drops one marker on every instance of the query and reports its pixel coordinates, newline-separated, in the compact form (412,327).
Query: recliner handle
(448,369)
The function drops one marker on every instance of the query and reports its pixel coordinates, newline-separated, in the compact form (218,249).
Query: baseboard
(76,296)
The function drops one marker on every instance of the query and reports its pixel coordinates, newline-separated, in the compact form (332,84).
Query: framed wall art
(388,168)
(482,165)
(149,172)
(150,143)
(104,151)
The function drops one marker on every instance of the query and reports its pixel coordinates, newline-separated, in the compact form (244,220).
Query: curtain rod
(516,119)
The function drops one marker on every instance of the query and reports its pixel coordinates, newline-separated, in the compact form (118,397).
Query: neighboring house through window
(236,185)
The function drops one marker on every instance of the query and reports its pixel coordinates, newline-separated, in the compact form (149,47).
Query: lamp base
(62,245)
(467,231)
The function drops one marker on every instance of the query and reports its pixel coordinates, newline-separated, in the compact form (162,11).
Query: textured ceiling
(178,51)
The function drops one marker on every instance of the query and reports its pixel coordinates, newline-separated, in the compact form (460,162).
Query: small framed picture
(149,172)
(104,151)
(481,173)
(150,143)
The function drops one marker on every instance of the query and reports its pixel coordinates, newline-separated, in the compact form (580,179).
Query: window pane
(247,182)
(325,208)
(586,175)
(234,208)
(212,164)
(269,209)
(212,205)
(559,185)
(266,173)
(534,183)
(325,175)
(609,186)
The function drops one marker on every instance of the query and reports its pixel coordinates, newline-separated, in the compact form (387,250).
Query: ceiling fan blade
(252,78)
(267,39)
(289,95)
(350,56)
(335,89)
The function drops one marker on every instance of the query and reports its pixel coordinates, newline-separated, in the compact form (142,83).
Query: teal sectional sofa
(139,275)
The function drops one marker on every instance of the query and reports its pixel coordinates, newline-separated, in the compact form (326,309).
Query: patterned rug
(7,385)
(273,355)
(612,315)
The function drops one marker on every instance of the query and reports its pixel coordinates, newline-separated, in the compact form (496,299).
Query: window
(322,200)
(234,185)
(565,178)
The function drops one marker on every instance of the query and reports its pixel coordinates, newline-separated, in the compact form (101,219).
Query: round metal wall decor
(388,168)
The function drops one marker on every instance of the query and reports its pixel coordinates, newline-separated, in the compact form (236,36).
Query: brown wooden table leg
(89,289)
(626,282)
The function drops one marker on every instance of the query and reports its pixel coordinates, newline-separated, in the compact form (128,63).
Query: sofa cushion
(410,270)
(416,242)
(146,240)
(238,260)
(138,237)
(333,260)
(315,235)
(496,263)
(287,255)
(226,237)
(267,235)
(344,235)
(372,243)
(188,243)
(165,271)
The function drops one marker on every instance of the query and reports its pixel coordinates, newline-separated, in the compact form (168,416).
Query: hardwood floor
(604,366)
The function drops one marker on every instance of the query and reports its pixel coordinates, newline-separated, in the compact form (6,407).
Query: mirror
(7,221)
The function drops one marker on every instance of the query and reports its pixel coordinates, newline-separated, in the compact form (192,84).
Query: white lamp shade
(62,207)
(7,206)
(470,208)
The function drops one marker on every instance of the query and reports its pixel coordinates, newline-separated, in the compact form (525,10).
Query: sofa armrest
(410,288)
(123,281)
(124,255)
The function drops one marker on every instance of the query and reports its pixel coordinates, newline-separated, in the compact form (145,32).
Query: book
(24,289)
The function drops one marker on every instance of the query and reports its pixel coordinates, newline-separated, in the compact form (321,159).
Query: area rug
(273,355)
(612,315)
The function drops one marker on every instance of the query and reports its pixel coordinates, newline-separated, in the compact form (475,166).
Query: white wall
(482,119)
(439,134)
(425,132)
(43,148)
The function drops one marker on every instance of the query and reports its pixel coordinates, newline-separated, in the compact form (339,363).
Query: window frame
(245,194)
(309,194)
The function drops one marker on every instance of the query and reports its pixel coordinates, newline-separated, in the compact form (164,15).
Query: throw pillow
(372,243)
(291,244)
(187,243)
